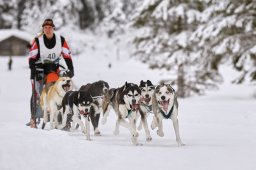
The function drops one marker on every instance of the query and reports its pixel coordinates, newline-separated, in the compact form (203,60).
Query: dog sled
(38,83)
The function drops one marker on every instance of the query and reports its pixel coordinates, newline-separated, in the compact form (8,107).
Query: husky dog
(50,100)
(108,103)
(165,106)
(78,104)
(97,90)
(147,90)
(125,102)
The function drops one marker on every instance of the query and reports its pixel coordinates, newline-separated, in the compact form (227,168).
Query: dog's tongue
(165,105)
(83,112)
(147,100)
(135,107)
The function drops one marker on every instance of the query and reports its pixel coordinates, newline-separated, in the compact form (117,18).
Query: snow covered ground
(219,129)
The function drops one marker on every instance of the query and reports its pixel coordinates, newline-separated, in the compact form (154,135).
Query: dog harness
(149,108)
(129,113)
(166,116)
(96,97)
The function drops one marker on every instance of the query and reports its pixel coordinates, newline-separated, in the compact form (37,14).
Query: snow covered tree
(36,11)
(227,32)
(20,10)
(7,13)
(163,41)
(117,14)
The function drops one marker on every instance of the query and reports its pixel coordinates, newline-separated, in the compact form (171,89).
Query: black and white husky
(147,90)
(97,90)
(125,102)
(78,104)
(165,106)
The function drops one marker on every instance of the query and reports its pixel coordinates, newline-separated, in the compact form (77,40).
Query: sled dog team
(132,103)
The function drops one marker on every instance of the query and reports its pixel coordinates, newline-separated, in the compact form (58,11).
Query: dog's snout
(147,95)
(133,101)
(68,81)
(86,110)
(163,97)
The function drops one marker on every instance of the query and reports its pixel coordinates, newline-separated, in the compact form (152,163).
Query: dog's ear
(141,82)
(149,83)
(157,88)
(173,90)
(78,95)
(125,86)
(138,89)
(111,93)
(170,87)
(161,82)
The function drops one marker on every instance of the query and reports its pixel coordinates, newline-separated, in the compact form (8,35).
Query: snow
(218,129)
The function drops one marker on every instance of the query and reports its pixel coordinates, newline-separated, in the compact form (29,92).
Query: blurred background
(187,40)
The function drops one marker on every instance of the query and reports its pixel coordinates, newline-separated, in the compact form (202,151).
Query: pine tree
(7,13)
(227,32)
(36,12)
(164,41)
(117,15)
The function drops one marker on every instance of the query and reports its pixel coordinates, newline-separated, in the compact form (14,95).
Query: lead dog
(78,104)
(50,100)
(125,102)
(165,106)
(97,90)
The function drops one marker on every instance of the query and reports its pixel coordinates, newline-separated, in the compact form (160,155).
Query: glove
(70,73)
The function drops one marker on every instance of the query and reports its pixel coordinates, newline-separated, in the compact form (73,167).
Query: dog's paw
(134,140)
(84,131)
(60,127)
(160,133)
(139,144)
(180,143)
(97,132)
(72,129)
(149,138)
(136,134)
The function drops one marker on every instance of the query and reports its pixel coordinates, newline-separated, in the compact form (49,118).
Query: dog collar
(149,108)
(166,116)
(129,113)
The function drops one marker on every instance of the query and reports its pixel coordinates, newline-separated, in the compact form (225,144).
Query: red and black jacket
(34,54)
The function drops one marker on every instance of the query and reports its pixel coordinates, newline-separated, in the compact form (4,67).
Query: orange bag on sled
(51,77)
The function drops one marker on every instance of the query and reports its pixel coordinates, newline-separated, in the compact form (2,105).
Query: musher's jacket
(45,53)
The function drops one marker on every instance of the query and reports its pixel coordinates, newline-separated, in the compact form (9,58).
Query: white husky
(165,106)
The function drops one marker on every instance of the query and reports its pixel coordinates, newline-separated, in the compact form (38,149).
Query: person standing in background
(10,63)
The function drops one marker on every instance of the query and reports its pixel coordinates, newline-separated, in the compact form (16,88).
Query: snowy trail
(219,129)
